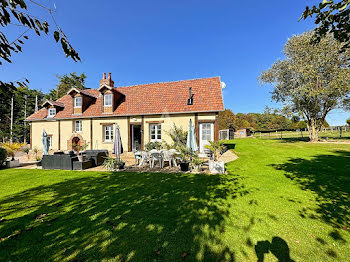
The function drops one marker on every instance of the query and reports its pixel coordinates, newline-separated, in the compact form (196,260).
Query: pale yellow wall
(51,128)
(98,132)
(66,127)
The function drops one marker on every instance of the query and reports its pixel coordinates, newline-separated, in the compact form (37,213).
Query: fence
(326,133)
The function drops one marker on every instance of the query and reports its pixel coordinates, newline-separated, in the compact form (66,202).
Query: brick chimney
(107,81)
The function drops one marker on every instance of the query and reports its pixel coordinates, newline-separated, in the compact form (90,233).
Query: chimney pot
(104,76)
(109,75)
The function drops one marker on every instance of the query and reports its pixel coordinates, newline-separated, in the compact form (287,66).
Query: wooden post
(340,131)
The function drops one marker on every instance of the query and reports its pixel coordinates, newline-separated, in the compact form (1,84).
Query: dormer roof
(79,91)
(52,103)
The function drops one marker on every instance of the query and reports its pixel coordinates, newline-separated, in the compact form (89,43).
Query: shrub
(153,145)
(216,147)
(178,136)
(3,155)
(12,148)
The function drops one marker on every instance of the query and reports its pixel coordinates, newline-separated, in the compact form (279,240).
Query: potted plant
(184,158)
(37,158)
(12,149)
(113,164)
(215,166)
(197,164)
(26,150)
(78,147)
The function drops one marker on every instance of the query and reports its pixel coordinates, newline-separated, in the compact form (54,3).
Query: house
(243,132)
(144,113)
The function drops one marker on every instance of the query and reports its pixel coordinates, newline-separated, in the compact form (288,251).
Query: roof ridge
(176,81)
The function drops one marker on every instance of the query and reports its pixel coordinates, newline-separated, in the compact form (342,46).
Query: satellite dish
(223,85)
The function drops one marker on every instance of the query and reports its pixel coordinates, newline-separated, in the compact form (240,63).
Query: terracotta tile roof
(53,103)
(156,98)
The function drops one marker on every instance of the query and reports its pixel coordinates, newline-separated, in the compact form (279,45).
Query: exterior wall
(51,128)
(67,129)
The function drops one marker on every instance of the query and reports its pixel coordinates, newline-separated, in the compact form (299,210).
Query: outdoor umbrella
(191,138)
(117,146)
(45,143)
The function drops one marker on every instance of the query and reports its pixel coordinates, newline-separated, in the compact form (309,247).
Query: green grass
(280,200)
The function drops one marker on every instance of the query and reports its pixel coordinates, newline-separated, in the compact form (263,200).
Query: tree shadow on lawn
(329,177)
(120,216)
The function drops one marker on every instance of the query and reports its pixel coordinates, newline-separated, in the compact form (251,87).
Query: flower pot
(38,163)
(121,166)
(185,166)
(12,163)
(216,167)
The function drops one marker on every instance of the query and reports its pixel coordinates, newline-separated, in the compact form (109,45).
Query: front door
(136,137)
(206,134)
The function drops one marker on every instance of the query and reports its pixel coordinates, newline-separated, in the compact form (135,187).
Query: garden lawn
(280,200)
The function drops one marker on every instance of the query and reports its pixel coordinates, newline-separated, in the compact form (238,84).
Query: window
(108,131)
(77,101)
(78,126)
(52,112)
(206,132)
(107,100)
(49,141)
(156,132)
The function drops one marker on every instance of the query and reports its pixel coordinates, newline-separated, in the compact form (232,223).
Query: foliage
(12,14)
(3,155)
(216,147)
(12,148)
(331,17)
(153,145)
(178,136)
(348,121)
(113,164)
(80,147)
(26,150)
(184,153)
(23,100)
(227,119)
(36,151)
(66,82)
(269,120)
(312,80)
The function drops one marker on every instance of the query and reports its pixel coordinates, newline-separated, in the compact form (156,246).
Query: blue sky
(157,41)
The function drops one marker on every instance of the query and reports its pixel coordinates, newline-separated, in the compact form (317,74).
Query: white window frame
(80,129)
(157,136)
(108,133)
(52,109)
(80,99)
(49,141)
(104,99)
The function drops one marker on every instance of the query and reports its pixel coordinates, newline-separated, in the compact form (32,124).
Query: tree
(348,121)
(15,13)
(331,17)
(226,119)
(312,80)
(66,82)
(24,100)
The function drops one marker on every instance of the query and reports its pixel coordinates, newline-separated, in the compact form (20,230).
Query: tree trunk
(313,130)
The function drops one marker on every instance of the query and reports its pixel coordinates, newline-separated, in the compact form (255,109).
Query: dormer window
(51,112)
(77,101)
(107,100)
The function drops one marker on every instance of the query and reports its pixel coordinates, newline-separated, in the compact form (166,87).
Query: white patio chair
(167,156)
(175,157)
(156,156)
(138,157)
(145,157)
